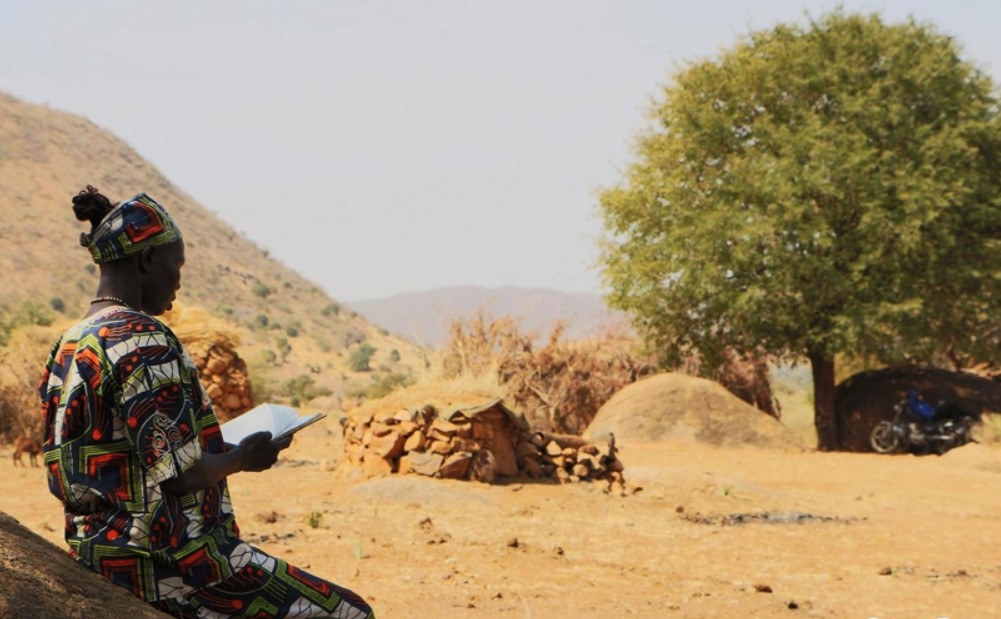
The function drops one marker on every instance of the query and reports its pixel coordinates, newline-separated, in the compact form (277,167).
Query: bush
(394,356)
(360,358)
(302,389)
(284,348)
(292,331)
(389,383)
(262,290)
(331,309)
(57,304)
(21,365)
(261,321)
(560,385)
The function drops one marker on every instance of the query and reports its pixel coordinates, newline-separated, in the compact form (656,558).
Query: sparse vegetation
(394,356)
(262,290)
(302,389)
(331,309)
(388,383)
(360,358)
(559,386)
(284,348)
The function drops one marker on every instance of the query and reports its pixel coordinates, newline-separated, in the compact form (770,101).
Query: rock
(425,463)
(405,465)
(456,465)
(591,450)
(232,401)
(406,416)
(464,444)
(580,470)
(406,427)
(380,429)
(214,391)
(484,467)
(553,449)
(482,430)
(387,446)
(526,448)
(442,430)
(415,442)
(374,466)
(532,468)
(440,447)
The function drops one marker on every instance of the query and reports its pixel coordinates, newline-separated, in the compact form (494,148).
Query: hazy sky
(382,147)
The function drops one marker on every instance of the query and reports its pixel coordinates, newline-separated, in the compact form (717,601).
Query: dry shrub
(559,386)
(22,361)
(746,377)
(199,330)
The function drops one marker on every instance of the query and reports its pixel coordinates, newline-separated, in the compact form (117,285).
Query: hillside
(424,316)
(46,156)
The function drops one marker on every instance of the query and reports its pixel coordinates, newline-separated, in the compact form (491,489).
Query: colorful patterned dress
(125,411)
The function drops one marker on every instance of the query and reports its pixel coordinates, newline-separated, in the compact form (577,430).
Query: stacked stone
(571,459)
(224,375)
(480,446)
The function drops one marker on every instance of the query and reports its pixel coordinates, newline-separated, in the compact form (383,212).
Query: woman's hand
(255,453)
(259,453)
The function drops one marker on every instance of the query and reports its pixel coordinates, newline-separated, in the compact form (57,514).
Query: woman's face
(164,278)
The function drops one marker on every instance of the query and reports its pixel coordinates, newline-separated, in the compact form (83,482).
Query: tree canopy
(824,189)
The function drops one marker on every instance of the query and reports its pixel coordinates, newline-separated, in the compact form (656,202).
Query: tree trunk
(824,418)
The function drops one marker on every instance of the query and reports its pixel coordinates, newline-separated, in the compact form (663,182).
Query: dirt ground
(738,532)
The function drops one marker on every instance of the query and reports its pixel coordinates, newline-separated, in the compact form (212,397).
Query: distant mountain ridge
(424,316)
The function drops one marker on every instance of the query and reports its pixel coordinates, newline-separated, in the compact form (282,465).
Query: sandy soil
(892,536)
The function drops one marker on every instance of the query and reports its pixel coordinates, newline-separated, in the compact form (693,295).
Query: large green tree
(817,190)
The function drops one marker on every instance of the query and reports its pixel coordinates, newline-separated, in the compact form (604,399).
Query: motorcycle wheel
(883,439)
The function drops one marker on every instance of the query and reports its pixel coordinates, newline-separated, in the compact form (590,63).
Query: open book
(280,421)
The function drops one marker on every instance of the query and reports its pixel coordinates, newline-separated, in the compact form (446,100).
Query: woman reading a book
(133,449)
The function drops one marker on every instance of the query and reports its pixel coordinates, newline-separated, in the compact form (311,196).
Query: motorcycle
(909,432)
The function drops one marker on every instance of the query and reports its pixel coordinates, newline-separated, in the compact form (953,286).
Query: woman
(134,451)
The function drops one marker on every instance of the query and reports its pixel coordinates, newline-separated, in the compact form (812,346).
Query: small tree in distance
(360,358)
(818,190)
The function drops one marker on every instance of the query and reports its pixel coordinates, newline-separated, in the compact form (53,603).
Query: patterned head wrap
(130,227)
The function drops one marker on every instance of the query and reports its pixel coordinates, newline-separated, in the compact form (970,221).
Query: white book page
(274,418)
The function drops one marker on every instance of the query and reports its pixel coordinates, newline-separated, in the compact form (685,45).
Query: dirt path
(890,536)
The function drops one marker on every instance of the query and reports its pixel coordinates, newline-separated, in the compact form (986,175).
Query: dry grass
(559,386)
(21,363)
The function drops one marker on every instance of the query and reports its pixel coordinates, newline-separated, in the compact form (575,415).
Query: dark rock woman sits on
(133,449)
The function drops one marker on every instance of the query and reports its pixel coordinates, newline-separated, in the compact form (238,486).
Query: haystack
(212,344)
(677,407)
